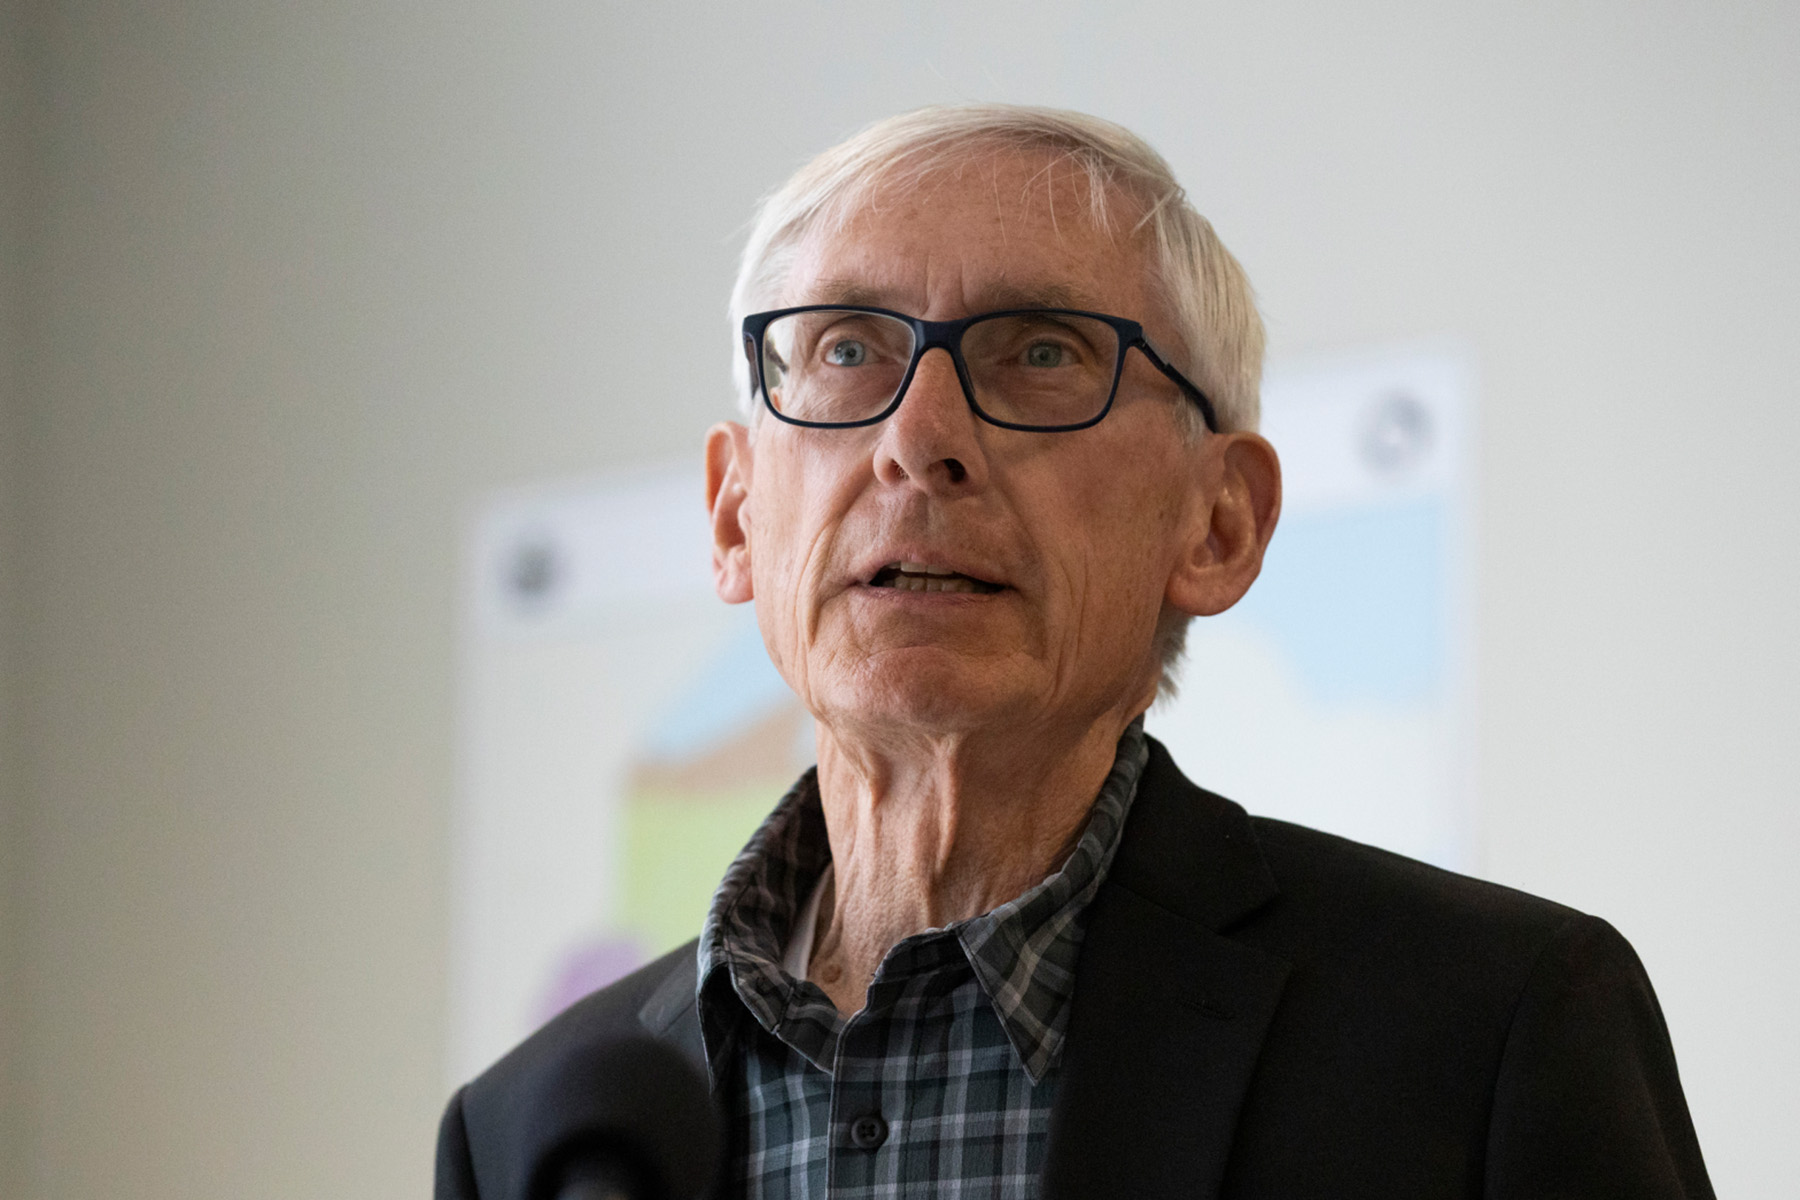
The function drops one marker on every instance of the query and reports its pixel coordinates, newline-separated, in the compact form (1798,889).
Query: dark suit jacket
(1261,1010)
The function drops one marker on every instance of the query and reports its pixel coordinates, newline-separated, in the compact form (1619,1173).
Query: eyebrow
(994,298)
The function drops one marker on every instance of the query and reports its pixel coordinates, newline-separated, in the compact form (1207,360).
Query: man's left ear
(1233,519)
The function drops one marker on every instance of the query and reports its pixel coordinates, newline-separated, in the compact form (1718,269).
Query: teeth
(934,583)
(928,577)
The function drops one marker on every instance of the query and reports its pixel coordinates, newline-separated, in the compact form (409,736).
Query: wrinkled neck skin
(930,829)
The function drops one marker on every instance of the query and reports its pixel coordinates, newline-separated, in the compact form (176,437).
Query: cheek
(1119,547)
(791,541)
(781,607)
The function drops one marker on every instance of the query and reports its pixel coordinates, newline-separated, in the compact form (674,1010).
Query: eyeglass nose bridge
(936,335)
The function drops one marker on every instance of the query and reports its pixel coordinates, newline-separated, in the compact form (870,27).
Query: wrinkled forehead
(987,230)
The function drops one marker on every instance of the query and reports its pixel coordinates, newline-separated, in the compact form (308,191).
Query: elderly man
(1000,449)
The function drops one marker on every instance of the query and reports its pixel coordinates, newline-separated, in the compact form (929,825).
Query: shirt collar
(1022,953)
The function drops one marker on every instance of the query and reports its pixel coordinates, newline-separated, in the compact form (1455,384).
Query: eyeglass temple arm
(1183,382)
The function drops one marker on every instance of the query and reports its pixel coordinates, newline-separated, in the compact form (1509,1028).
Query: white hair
(1204,288)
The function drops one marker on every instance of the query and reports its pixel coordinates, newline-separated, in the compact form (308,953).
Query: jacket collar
(672,1014)
(1169,1014)
(1190,851)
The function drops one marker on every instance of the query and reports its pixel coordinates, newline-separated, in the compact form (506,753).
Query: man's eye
(1045,354)
(847,353)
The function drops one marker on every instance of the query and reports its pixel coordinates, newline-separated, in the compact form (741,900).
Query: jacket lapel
(1168,1015)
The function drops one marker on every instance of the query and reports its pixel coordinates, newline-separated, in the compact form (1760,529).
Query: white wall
(13,174)
(312,277)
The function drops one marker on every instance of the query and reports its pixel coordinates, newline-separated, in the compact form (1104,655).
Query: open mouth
(923,577)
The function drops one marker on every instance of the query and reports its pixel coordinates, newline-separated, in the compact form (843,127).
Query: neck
(942,828)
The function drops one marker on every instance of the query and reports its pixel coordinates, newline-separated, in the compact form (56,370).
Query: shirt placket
(868,1098)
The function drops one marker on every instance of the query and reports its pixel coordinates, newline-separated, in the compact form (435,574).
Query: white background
(285,287)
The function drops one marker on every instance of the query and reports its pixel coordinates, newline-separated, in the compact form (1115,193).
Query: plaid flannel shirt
(942,1085)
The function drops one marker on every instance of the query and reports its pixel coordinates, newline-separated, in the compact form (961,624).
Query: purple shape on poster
(588,967)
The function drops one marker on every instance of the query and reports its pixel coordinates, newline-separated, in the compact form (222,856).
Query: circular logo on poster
(1397,433)
(533,571)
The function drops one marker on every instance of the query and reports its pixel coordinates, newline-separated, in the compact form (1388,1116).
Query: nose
(933,440)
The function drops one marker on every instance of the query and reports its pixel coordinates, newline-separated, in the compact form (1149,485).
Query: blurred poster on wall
(623,731)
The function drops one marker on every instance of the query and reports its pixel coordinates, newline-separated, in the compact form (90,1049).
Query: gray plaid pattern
(955,1054)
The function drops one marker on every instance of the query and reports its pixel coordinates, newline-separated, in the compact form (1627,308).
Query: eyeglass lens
(839,366)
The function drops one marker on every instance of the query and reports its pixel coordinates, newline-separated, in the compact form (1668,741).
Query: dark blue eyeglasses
(1045,370)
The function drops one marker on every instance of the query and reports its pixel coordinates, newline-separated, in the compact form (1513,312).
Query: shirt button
(868,1131)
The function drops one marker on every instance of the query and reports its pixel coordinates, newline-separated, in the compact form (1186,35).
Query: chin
(928,696)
